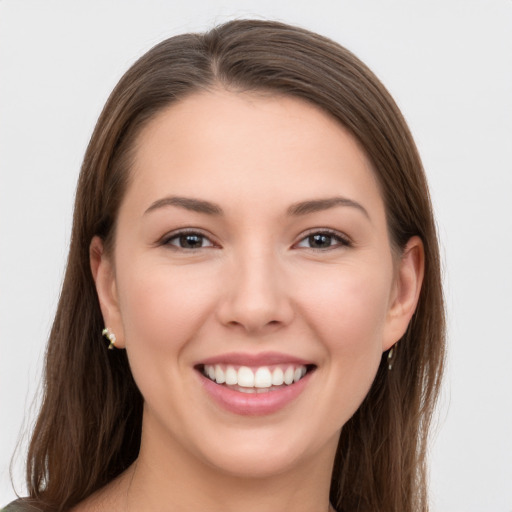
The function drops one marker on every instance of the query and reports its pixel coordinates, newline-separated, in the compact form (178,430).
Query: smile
(254,385)
(255,380)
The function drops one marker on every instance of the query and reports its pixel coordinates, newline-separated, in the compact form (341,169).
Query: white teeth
(245,377)
(231,376)
(262,378)
(220,377)
(288,375)
(277,377)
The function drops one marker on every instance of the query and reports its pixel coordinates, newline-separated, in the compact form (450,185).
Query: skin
(255,284)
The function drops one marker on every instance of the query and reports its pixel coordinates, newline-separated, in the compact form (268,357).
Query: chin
(267,453)
(255,463)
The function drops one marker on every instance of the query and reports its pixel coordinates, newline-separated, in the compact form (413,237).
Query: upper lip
(249,359)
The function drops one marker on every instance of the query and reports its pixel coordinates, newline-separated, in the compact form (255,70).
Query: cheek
(350,309)
(162,308)
(344,311)
(348,315)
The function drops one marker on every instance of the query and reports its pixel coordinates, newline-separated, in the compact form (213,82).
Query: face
(252,281)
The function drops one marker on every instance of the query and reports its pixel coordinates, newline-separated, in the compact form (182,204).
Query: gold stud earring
(110,337)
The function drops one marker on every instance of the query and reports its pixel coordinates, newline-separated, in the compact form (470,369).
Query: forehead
(248,146)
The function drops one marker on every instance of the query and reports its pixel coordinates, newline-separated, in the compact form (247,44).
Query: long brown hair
(89,426)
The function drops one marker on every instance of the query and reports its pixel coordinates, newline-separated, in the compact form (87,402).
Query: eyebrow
(296,209)
(318,205)
(188,203)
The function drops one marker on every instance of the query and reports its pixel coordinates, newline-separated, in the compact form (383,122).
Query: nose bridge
(256,295)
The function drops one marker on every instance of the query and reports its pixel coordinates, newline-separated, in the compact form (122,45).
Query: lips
(249,384)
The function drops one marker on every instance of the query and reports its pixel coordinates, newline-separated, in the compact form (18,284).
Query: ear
(102,269)
(406,291)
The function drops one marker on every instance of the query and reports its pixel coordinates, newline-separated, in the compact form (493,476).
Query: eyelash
(188,232)
(341,240)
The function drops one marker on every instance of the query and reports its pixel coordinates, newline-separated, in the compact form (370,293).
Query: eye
(324,240)
(188,240)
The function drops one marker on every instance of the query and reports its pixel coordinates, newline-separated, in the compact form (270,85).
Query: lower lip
(253,404)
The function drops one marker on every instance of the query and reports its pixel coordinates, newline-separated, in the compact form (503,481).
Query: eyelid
(344,240)
(164,240)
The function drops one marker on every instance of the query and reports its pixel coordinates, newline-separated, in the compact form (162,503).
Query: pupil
(191,241)
(320,240)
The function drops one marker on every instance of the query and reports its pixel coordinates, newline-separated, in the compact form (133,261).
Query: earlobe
(102,269)
(409,279)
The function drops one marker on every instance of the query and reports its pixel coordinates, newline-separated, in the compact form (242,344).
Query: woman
(253,237)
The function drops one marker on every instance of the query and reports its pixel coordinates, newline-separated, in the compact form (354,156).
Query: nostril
(255,306)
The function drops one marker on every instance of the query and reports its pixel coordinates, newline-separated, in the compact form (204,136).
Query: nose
(256,297)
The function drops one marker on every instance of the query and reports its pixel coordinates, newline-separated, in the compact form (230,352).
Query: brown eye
(323,240)
(189,241)
(320,241)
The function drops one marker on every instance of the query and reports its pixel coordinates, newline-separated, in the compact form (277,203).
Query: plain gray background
(448,64)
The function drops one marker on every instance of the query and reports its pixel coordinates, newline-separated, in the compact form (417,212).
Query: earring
(110,337)
(390,357)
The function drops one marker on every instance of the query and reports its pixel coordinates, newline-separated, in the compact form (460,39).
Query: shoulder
(22,505)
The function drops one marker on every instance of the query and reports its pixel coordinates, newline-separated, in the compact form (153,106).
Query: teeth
(245,377)
(231,376)
(261,378)
(288,375)
(220,376)
(277,377)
